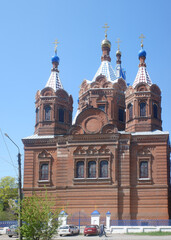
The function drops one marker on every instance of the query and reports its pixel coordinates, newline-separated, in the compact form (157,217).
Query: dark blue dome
(55,59)
(142,53)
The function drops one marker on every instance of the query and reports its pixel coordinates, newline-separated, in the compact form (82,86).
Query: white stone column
(108,215)
(95,217)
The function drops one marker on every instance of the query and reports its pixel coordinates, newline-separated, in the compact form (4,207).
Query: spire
(119,71)
(54,80)
(142,75)
(105,68)
(106,46)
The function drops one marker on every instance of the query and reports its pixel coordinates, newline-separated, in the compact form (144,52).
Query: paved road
(110,237)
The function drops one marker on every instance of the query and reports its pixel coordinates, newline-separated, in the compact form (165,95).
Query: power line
(12,162)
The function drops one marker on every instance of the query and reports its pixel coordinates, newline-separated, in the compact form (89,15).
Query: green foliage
(39,217)
(8,190)
(7,216)
(1,206)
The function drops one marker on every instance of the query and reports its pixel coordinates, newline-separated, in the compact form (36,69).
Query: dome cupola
(142,52)
(55,59)
(106,43)
(106,46)
(142,74)
(54,79)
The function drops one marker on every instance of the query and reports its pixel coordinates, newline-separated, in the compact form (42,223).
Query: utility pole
(19,188)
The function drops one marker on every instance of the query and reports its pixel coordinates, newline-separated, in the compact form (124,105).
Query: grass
(152,233)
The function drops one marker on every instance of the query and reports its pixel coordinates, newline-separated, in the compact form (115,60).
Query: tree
(8,190)
(40,220)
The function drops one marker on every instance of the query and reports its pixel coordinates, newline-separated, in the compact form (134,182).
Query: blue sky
(28,29)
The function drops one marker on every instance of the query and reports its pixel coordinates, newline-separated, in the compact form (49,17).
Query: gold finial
(106,27)
(142,39)
(118,42)
(56,44)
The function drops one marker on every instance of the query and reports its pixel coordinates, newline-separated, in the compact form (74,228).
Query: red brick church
(113,155)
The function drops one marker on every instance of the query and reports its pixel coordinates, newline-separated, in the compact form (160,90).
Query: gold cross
(142,39)
(118,41)
(106,27)
(56,44)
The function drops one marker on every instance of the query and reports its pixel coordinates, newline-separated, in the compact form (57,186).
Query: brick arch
(48,91)
(92,120)
(61,93)
(122,84)
(155,89)
(109,128)
(76,129)
(142,87)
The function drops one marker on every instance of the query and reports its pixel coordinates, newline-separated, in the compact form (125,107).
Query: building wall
(123,193)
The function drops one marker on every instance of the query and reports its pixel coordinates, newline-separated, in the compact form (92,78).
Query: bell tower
(143,100)
(53,104)
(106,90)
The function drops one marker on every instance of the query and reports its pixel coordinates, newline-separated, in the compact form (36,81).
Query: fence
(79,221)
(83,221)
(7,223)
(147,222)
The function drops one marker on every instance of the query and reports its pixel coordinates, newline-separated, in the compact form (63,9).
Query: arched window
(92,169)
(61,115)
(155,111)
(142,109)
(47,113)
(121,114)
(104,169)
(130,111)
(44,171)
(37,115)
(80,169)
(102,107)
(144,169)
(70,117)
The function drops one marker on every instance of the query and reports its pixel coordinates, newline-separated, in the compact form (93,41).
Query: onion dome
(119,71)
(118,52)
(142,53)
(55,59)
(142,74)
(106,42)
(118,56)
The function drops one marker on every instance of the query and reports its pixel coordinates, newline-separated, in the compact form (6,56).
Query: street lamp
(19,186)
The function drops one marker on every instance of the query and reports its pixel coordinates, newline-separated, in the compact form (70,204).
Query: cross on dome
(118,42)
(54,79)
(142,39)
(106,27)
(56,44)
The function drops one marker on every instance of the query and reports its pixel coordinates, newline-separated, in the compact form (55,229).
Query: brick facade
(112,158)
